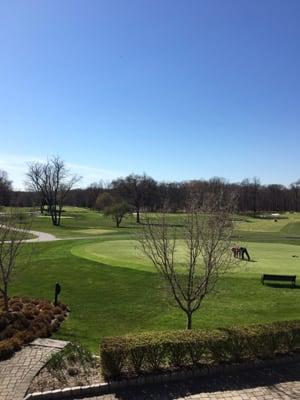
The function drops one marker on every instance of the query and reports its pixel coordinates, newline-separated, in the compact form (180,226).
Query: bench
(281,278)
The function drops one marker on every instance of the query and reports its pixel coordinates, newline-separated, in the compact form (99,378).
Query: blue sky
(177,89)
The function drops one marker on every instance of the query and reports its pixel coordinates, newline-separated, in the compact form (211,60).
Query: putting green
(266,257)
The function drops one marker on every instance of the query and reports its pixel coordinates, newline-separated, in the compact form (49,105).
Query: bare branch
(206,236)
(53,181)
(14,229)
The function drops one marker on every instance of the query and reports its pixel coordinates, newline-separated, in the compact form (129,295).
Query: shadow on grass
(282,285)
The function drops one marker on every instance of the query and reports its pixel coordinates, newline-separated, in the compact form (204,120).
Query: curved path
(17,372)
(39,236)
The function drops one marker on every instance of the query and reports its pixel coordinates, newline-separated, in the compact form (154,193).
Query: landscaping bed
(76,376)
(170,355)
(73,366)
(27,320)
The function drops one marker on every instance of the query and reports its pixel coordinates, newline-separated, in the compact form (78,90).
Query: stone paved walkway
(17,372)
(278,383)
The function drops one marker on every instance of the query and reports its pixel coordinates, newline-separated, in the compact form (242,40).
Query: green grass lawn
(271,257)
(113,290)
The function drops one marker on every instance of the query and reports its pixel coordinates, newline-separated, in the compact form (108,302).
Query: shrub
(6,349)
(27,320)
(149,352)
(113,354)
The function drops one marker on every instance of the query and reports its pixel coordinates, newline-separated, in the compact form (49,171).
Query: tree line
(142,193)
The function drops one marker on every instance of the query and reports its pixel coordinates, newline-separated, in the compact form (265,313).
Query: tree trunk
(137,215)
(5,299)
(55,216)
(52,216)
(59,215)
(189,321)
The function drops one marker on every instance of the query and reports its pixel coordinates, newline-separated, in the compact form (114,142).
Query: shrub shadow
(282,285)
(272,378)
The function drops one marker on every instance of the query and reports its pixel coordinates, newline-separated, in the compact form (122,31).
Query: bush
(150,352)
(6,349)
(27,320)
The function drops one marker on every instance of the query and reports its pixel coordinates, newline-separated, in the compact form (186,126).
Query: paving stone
(17,373)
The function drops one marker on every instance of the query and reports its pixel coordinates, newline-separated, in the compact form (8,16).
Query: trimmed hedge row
(149,352)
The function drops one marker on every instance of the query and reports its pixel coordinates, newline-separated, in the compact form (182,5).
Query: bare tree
(53,181)
(136,190)
(206,238)
(13,231)
(5,189)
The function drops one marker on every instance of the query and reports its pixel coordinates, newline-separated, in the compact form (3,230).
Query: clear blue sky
(176,89)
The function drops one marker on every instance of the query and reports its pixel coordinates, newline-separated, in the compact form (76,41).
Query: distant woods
(143,193)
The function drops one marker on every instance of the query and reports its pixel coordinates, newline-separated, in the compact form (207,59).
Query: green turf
(272,258)
(112,289)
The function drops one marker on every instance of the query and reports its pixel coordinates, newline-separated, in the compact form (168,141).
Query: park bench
(278,278)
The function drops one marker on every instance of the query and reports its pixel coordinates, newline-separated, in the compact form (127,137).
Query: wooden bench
(278,278)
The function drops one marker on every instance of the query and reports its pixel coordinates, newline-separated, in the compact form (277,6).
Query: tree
(117,209)
(5,189)
(207,250)
(53,181)
(295,188)
(136,190)
(103,201)
(13,232)
(112,206)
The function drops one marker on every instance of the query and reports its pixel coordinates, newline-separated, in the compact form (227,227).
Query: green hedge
(151,352)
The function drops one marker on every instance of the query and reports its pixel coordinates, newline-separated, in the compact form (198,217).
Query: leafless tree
(206,236)
(295,188)
(5,189)
(54,182)
(14,228)
(136,190)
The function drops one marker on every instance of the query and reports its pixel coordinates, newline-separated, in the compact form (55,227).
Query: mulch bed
(73,375)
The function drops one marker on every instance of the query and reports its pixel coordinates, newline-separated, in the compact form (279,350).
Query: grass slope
(111,290)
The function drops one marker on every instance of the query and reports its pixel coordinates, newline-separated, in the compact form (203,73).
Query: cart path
(39,236)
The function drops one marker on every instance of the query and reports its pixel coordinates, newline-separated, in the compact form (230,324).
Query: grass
(111,289)
(17,235)
(274,258)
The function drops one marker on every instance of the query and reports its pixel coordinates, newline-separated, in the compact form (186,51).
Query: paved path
(17,373)
(278,383)
(47,237)
(39,236)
